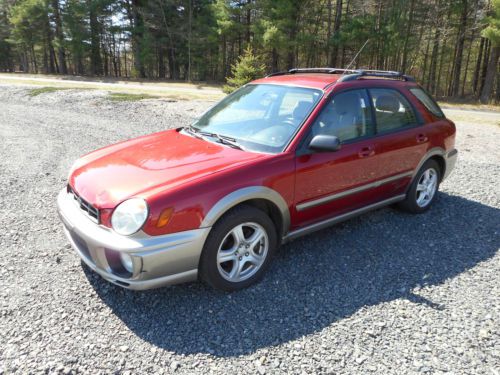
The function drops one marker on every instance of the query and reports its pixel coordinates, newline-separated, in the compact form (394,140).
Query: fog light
(127,262)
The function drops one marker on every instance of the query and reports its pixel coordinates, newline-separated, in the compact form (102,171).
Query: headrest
(301,109)
(387,103)
(346,103)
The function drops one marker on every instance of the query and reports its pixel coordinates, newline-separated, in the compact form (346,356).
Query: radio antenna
(352,62)
(355,57)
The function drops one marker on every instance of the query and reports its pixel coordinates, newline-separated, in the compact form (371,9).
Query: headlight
(129,216)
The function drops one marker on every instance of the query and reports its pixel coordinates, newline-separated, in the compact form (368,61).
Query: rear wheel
(423,190)
(238,249)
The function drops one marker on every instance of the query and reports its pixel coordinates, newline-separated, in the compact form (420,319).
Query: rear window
(427,101)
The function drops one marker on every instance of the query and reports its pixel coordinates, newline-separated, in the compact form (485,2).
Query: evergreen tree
(438,41)
(248,68)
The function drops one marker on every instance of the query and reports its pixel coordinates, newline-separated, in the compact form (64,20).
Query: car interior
(344,117)
(390,111)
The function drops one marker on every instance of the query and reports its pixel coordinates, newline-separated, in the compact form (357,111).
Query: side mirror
(325,143)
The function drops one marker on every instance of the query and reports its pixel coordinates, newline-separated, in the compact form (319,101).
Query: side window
(427,101)
(347,116)
(392,110)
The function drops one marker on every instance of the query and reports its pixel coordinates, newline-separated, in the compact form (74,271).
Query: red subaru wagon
(279,158)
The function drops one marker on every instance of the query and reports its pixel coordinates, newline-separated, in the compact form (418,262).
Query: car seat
(388,115)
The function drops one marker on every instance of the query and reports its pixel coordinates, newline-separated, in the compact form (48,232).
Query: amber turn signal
(165,216)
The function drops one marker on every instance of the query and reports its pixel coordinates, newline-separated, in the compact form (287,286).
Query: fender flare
(244,194)
(436,151)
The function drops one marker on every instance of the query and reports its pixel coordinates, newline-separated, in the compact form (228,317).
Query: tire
(417,200)
(229,261)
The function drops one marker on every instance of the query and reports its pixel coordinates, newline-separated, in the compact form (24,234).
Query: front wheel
(423,190)
(238,249)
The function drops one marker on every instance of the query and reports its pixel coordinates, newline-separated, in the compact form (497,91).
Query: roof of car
(320,78)
(313,80)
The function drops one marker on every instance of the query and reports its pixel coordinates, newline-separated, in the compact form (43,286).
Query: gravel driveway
(385,293)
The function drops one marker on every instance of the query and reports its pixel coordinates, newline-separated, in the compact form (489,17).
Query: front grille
(90,210)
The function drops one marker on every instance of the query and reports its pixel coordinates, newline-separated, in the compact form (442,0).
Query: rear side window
(427,101)
(392,110)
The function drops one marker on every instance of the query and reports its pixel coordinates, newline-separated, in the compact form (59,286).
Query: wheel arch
(442,164)
(264,198)
(436,153)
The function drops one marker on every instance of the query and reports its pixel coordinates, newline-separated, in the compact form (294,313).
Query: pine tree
(248,68)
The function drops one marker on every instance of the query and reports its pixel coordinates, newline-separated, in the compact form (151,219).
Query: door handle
(421,138)
(366,152)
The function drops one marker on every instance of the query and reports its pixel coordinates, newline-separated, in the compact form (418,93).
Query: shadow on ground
(316,281)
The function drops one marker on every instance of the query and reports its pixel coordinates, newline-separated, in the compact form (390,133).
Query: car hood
(168,159)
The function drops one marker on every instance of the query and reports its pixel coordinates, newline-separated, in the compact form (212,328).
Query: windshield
(261,118)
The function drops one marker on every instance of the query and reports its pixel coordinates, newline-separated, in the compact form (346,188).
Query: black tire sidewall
(208,269)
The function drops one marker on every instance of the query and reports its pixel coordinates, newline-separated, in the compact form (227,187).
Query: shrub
(248,68)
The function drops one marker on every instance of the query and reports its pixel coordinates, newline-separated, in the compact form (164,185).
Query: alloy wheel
(242,252)
(426,187)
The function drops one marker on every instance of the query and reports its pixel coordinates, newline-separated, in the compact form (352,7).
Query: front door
(331,183)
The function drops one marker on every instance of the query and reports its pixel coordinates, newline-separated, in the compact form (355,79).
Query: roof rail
(377,73)
(314,70)
(352,74)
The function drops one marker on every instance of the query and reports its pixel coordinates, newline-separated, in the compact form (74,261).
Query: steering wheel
(289,121)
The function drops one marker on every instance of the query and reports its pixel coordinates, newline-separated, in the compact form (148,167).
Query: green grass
(124,97)
(45,90)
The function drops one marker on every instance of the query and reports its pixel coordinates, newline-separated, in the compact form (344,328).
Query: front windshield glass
(261,118)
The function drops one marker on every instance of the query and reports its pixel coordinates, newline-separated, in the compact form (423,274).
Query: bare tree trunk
(497,96)
(455,83)
(45,61)
(61,55)
(49,55)
(407,36)
(248,22)
(336,29)
(190,25)
(224,57)
(274,58)
(435,51)
(464,81)
(161,62)
(329,32)
(95,53)
(33,57)
(491,72)
(172,63)
(477,71)
(426,58)
(486,59)
(380,43)
(137,23)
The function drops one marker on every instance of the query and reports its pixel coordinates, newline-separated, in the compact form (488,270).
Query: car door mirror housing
(325,143)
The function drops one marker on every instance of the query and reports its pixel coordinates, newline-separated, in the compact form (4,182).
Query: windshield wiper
(224,139)
(228,141)
(193,131)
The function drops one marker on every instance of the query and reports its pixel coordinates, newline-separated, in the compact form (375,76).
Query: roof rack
(351,74)
(377,73)
(314,70)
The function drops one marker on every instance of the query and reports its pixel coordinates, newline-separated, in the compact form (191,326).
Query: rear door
(401,139)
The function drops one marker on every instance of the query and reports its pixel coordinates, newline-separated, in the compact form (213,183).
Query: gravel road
(385,293)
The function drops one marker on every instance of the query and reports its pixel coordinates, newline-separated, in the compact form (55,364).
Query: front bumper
(157,260)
